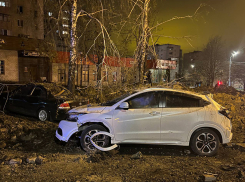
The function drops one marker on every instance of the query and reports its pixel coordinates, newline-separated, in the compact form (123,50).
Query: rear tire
(100,140)
(42,114)
(205,142)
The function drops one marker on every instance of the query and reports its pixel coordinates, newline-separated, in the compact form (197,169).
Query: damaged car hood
(85,109)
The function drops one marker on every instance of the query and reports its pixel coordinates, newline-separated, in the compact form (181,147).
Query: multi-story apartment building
(191,60)
(57,25)
(167,51)
(168,62)
(21,32)
(22,18)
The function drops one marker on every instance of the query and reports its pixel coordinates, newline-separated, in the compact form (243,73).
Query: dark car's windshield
(114,101)
(56,90)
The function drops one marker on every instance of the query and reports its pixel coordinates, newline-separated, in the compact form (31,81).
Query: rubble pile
(236,105)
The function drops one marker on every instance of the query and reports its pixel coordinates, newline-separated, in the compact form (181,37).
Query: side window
(39,92)
(178,100)
(144,100)
(24,90)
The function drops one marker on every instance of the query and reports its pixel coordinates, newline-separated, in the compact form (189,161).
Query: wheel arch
(41,107)
(217,131)
(89,123)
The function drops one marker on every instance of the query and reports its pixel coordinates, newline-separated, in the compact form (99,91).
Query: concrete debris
(31,160)
(28,137)
(241,174)
(229,145)
(138,155)
(13,138)
(2,144)
(240,146)
(209,178)
(228,167)
(187,152)
(39,160)
(3,130)
(37,141)
(15,161)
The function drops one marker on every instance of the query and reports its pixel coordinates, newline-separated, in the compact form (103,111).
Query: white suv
(153,116)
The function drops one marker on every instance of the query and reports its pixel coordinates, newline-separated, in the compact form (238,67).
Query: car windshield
(57,90)
(114,101)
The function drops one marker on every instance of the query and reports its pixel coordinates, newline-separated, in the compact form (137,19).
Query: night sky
(219,17)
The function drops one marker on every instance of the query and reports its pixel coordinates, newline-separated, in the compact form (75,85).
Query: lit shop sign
(166,64)
(2,41)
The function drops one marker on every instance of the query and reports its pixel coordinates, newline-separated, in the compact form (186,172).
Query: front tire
(42,114)
(205,142)
(100,140)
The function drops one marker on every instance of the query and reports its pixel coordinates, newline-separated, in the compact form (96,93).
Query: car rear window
(181,100)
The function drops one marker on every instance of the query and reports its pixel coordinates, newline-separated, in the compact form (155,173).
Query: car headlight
(74,117)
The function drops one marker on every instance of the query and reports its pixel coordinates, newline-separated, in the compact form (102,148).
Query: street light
(233,54)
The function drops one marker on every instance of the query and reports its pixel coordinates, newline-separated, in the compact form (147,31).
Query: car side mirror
(124,105)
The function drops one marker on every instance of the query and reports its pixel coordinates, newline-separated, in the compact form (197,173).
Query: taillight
(224,113)
(64,105)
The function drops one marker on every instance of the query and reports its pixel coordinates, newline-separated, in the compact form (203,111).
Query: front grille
(59,131)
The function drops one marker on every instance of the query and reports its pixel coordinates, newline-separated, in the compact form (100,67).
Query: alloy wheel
(206,143)
(98,140)
(42,115)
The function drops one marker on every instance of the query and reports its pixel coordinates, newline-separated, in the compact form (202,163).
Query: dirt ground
(30,152)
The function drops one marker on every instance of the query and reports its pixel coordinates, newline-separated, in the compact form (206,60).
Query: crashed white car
(153,116)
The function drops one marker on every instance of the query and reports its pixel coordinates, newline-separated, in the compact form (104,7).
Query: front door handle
(153,113)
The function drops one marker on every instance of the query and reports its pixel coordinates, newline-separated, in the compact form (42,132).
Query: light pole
(233,54)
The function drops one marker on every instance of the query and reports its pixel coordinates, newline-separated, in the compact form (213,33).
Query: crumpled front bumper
(66,129)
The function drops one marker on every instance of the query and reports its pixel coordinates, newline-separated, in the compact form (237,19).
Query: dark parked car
(46,101)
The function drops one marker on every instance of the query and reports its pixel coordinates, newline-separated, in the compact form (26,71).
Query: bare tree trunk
(73,51)
(144,40)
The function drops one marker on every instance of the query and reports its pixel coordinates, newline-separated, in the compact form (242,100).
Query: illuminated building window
(64,25)
(50,13)
(4,3)
(85,76)
(95,76)
(114,75)
(64,32)
(85,73)
(65,18)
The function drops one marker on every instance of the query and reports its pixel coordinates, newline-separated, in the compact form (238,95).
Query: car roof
(174,90)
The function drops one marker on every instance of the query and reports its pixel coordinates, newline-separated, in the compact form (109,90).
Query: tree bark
(73,46)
